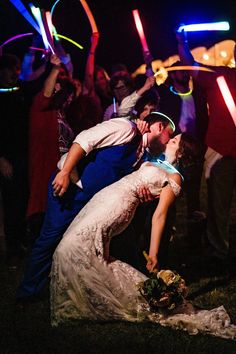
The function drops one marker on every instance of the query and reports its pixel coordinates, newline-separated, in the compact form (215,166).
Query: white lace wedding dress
(85,286)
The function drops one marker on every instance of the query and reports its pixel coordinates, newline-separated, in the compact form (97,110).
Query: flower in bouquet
(164,289)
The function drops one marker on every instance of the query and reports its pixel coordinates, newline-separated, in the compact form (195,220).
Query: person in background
(220,157)
(186,102)
(50,136)
(125,97)
(86,110)
(102,86)
(13,158)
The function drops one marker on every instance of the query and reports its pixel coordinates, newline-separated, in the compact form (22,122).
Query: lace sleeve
(175,187)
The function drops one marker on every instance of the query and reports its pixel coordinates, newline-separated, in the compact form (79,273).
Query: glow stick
(69,40)
(10,89)
(139,27)
(90,16)
(162,74)
(24,12)
(54,33)
(148,259)
(114,107)
(16,37)
(53,6)
(31,34)
(214,26)
(35,48)
(37,14)
(184,67)
(227,96)
(47,23)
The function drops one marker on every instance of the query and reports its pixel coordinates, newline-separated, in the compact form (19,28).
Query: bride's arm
(167,197)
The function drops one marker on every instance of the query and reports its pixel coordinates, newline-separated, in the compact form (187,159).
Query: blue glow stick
(214,26)
(15,88)
(24,12)
(53,6)
(114,105)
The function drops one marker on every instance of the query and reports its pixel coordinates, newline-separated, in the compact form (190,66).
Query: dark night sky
(119,41)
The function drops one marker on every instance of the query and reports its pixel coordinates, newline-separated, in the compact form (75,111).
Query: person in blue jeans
(102,155)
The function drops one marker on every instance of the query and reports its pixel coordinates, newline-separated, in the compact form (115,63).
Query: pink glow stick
(227,96)
(139,27)
(39,49)
(47,24)
(49,21)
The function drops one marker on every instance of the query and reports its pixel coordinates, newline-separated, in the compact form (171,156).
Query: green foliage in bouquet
(164,289)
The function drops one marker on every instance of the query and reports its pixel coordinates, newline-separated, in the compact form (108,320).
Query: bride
(87,284)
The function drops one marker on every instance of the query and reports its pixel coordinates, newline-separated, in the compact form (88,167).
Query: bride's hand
(152,264)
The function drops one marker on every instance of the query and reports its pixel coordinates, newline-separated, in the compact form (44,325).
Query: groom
(102,155)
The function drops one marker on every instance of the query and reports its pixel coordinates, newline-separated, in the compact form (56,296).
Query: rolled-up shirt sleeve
(127,104)
(116,131)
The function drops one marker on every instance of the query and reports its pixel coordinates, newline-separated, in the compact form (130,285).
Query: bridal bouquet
(165,289)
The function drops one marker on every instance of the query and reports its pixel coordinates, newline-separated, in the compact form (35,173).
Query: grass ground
(31,333)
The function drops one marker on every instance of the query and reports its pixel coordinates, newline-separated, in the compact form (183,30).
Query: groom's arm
(62,179)
(113,132)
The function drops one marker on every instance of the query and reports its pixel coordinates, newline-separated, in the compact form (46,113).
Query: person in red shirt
(50,136)
(220,157)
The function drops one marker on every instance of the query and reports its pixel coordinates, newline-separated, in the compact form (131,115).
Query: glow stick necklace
(180,93)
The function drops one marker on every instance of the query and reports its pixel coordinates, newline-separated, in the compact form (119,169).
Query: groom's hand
(145,195)
(60,183)
(143,127)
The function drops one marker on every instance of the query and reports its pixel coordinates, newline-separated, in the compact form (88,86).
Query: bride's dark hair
(190,151)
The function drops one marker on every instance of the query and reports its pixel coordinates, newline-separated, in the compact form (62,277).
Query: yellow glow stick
(146,256)
(185,67)
(162,74)
(90,16)
(69,40)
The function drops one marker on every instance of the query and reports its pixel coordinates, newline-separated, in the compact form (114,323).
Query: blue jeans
(60,213)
